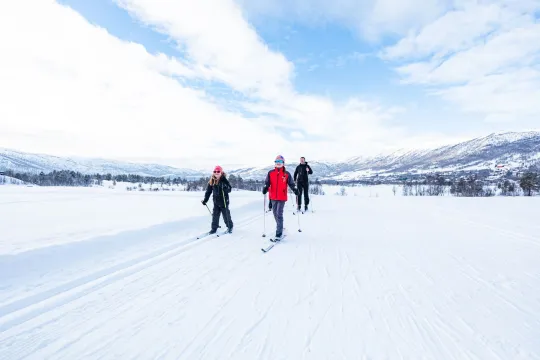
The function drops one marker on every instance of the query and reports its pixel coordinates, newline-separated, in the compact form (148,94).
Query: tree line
(473,186)
(237,182)
(74,178)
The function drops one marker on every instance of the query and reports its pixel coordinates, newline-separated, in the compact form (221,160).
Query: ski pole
(264,215)
(298,215)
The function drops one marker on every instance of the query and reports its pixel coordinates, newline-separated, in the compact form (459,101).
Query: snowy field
(363,190)
(110,274)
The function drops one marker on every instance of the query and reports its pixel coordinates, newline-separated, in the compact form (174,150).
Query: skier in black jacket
(220,188)
(301,178)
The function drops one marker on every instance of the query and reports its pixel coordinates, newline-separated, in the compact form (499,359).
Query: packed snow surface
(108,274)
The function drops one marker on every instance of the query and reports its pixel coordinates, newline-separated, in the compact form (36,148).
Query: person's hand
(265,190)
(203,202)
(295,192)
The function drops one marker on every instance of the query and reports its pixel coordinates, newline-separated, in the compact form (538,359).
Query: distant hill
(511,150)
(26,162)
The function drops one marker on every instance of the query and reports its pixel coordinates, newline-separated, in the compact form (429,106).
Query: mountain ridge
(31,162)
(512,149)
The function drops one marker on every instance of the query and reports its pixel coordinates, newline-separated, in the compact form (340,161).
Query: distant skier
(220,188)
(275,185)
(301,179)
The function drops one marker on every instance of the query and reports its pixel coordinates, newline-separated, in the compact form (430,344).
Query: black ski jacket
(220,192)
(301,173)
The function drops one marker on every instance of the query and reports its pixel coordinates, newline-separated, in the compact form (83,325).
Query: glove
(203,202)
(265,190)
(295,191)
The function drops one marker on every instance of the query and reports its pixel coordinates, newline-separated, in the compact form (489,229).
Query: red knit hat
(218,168)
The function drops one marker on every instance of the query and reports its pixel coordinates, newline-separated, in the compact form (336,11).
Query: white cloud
(225,44)
(84,92)
(483,57)
(454,31)
(216,36)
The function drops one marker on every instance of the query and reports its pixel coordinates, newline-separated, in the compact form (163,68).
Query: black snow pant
(216,213)
(303,187)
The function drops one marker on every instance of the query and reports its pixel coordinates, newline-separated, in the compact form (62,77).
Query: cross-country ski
(273,241)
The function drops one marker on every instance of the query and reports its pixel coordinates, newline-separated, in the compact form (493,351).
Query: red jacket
(276,182)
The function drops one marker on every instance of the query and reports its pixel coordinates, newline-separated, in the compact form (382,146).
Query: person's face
(302,160)
(279,163)
(217,174)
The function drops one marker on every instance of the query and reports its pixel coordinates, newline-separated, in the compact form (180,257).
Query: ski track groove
(313,333)
(213,318)
(411,312)
(510,234)
(126,307)
(483,283)
(139,264)
(124,278)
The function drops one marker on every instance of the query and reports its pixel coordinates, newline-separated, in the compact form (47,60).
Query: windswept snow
(367,278)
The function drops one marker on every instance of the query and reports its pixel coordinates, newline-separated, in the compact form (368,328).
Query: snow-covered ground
(95,273)
(363,190)
(7,180)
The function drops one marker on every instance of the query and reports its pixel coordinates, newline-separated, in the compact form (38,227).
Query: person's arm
(207,194)
(291,183)
(266,183)
(296,173)
(309,169)
(226,185)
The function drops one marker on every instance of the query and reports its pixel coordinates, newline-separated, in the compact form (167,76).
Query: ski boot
(278,237)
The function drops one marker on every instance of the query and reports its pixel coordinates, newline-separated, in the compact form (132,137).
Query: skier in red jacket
(275,185)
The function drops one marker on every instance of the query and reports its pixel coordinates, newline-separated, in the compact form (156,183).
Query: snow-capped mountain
(26,162)
(324,170)
(514,150)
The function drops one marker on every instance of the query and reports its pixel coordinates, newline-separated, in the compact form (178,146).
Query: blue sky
(216,80)
(330,60)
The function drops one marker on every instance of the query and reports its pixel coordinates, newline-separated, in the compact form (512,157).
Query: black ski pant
(303,187)
(216,213)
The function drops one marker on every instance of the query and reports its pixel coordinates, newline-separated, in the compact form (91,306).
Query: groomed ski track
(367,278)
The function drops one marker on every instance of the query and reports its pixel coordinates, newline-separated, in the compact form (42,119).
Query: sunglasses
(279,161)
(217,172)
